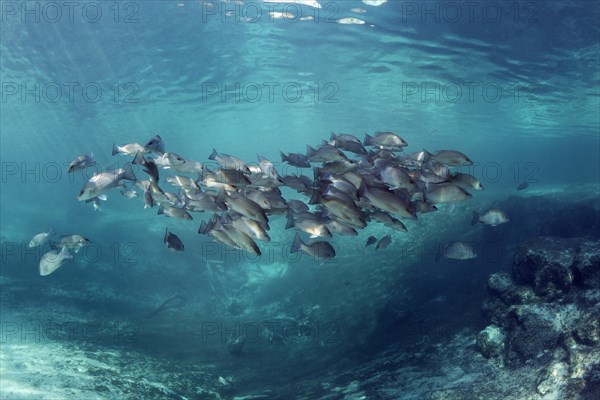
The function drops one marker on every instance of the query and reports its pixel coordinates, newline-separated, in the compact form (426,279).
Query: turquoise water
(514,85)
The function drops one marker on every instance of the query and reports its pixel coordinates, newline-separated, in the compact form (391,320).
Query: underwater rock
(546,317)
(535,329)
(587,330)
(501,286)
(503,294)
(490,342)
(496,311)
(553,378)
(545,264)
(587,265)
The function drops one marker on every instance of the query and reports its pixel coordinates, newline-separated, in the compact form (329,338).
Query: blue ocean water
(512,84)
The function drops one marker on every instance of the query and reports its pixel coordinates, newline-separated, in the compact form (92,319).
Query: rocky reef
(545,316)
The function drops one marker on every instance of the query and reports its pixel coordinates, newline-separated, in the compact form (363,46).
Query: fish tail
(128,173)
(290,221)
(115,150)
(316,197)
(139,159)
(284,158)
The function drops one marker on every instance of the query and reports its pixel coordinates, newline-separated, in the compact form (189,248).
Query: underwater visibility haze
(310,199)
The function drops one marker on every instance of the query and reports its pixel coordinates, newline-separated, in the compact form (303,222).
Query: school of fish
(353,183)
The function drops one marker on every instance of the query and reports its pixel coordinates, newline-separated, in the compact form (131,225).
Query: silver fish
(242,241)
(452,158)
(385,140)
(466,181)
(228,162)
(267,168)
(155,144)
(442,193)
(295,159)
(104,181)
(129,149)
(320,250)
(341,228)
(129,193)
(169,160)
(173,212)
(389,201)
(182,181)
(82,162)
(53,260)
(251,228)
(41,238)
(459,251)
(313,226)
(324,153)
(73,242)
(491,217)
(243,205)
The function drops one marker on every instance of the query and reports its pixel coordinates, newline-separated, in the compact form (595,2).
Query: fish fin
(333,136)
(161,209)
(51,232)
(316,197)
(166,234)
(213,156)
(128,174)
(310,151)
(368,140)
(115,150)
(76,249)
(475,218)
(284,158)
(102,197)
(297,244)
(290,221)
(203,228)
(221,197)
(139,159)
